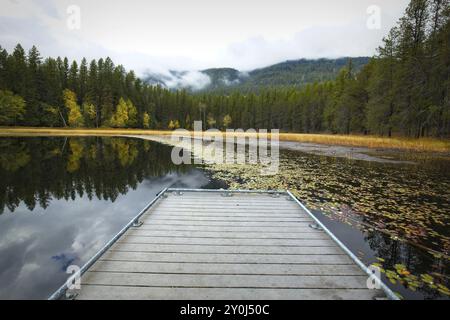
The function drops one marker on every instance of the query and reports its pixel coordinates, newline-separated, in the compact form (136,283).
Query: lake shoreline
(352,153)
(425,145)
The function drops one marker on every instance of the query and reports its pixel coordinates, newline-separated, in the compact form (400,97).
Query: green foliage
(12,108)
(51,116)
(300,72)
(89,114)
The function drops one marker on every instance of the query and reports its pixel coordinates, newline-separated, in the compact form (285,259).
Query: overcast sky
(198,34)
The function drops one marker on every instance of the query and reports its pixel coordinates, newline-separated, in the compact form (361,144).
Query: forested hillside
(404,90)
(298,73)
(295,73)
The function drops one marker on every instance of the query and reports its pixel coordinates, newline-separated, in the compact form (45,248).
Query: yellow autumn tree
(127,151)
(120,117)
(18,155)
(132,114)
(227,121)
(146,120)
(73,162)
(125,115)
(211,121)
(12,108)
(174,124)
(75,118)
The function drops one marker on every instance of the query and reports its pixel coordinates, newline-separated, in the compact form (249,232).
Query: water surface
(62,199)
(393,213)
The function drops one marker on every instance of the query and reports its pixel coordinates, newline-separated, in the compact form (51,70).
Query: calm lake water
(62,199)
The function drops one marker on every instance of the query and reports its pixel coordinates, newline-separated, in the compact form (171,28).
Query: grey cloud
(27,32)
(48,7)
(163,49)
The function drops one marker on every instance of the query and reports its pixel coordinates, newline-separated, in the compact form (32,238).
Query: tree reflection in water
(62,199)
(38,170)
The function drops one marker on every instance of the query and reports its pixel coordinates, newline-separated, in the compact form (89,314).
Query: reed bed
(374,142)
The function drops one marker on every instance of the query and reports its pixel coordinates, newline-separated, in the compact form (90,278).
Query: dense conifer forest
(403,90)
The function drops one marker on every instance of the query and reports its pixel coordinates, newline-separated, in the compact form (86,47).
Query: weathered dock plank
(230,235)
(181,257)
(228,242)
(162,293)
(221,268)
(223,249)
(224,281)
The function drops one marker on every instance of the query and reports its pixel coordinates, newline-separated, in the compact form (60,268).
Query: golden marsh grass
(375,142)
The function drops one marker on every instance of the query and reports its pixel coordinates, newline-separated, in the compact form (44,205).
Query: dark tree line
(404,90)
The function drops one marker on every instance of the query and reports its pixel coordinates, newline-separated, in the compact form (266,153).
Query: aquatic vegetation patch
(408,205)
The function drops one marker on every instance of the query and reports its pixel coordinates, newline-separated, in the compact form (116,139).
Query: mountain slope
(289,73)
(300,72)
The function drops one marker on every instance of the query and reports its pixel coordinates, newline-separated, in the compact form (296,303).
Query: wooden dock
(206,245)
